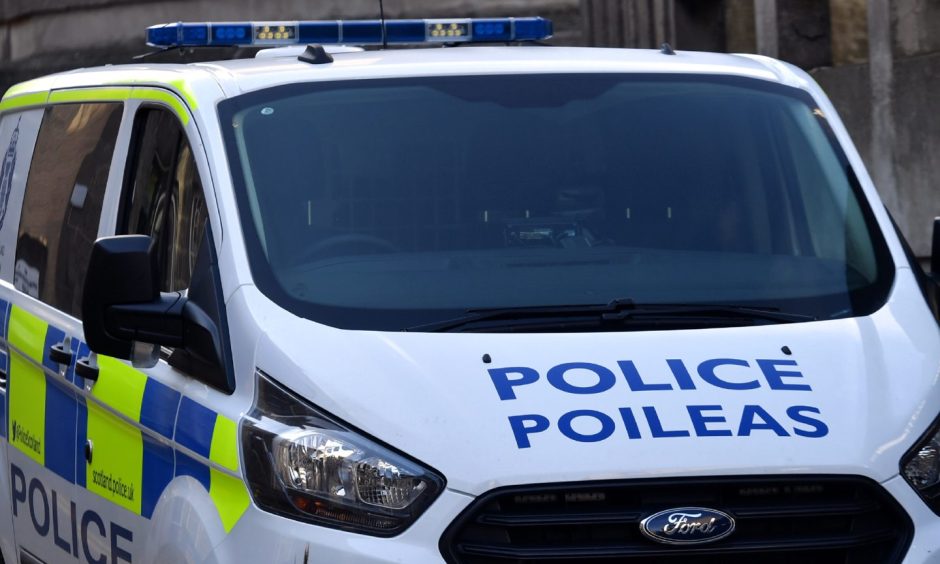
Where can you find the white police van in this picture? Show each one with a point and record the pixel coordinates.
(464, 305)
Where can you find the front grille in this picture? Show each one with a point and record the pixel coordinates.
(779, 520)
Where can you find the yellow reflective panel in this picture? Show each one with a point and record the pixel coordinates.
(165, 97)
(110, 94)
(120, 386)
(23, 101)
(230, 497)
(116, 468)
(185, 91)
(224, 448)
(27, 384)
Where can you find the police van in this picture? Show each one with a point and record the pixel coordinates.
(473, 305)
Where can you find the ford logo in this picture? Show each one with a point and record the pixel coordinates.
(687, 525)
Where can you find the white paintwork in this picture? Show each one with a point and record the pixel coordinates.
(873, 379)
(296, 50)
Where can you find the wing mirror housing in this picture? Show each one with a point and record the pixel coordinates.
(122, 302)
(123, 307)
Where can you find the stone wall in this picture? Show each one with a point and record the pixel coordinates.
(914, 157)
(877, 59)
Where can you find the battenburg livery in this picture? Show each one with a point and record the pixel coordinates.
(510, 303)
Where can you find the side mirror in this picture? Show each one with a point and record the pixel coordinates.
(122, 306)
(122, 302)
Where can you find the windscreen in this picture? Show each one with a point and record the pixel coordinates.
(388, 204)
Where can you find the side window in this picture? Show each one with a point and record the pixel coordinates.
(62, 204)
(163, 196)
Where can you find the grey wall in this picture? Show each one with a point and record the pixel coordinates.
(915, 154)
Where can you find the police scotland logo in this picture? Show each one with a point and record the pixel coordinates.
(6, 173)
(687, 525)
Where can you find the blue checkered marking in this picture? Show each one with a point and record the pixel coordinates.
(194, 426)
(61, 419)
(187, 466)
(60, 414)
(159, 408)
(157, 474)
(4, 317)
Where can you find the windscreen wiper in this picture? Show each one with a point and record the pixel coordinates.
(619, 314)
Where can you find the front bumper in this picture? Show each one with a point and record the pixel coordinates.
(925, 548)
(262, 537)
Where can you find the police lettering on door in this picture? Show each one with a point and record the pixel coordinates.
(75, 531)
(646, 421)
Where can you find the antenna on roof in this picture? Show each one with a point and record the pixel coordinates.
(384, 32)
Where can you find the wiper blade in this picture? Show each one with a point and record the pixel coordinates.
(615, 314)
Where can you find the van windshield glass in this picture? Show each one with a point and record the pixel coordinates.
(400, 203)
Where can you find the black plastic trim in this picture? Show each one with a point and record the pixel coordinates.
(451, 545)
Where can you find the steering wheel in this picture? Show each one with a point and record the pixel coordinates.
(348, 244)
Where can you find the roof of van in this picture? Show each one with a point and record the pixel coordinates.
(244, 75)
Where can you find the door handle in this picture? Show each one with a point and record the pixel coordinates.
(60, 355)
(84, 369)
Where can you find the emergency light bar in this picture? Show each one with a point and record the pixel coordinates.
(350, 32)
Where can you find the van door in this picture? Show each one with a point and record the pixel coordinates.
(149, 430)
(18, 132)
(58, 224)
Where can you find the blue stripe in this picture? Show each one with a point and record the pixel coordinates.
(158, 411)
(60, 430)
(4, 317)
(158, 471)
(54, 336)
(194, 427)
(186, 466)
(81, 424)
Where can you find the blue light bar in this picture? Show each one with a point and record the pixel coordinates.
(349, 32)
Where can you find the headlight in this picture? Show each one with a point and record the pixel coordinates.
(921, 467)
(307, 465)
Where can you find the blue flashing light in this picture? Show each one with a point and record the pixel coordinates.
(493, 30)
(194, 33)
(350, 32)
(226, 34)
(324, 33)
